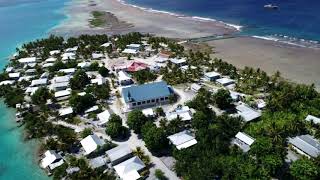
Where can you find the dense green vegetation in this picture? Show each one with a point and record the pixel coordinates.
(98, 19)
(82, 103)
(144, 76)
(114, 127)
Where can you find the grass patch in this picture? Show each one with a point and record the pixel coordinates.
(98, 19)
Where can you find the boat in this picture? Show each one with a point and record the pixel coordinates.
(271, 6)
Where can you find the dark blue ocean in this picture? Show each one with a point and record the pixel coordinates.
(22, 21)
(295, 18)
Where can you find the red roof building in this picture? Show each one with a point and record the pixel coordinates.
(136, 66)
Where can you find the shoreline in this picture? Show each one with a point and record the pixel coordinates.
(168, 24)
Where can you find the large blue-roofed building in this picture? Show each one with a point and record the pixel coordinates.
(150, 94)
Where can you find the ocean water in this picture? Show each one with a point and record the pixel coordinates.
(296, 20)
(22, 21)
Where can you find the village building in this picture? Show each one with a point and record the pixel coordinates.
(46, 65)
(136, 66)
(39, 82)
(225, 81)
(73, 49)
(130, 169)
(119, 154)
(178, 62)
(27, 60)
(148, 112)
(305, 145)
(68, 71)
(124, 78)
(243, 141)
(98, 162)
(144, 95)
(7, 82)
(84, 65)
(99, 81)
(54, 52)
(14, 76)
(313, 119)
(9, 69)
(186, 68)
(247, 113)
(91, 143)
(62, 95)
(51, 60)
(68, 56)
(184, 113)
(182, 140)
(212, 76)
(103, 117)
(195, 87)
(65, 111)
(51, 160)
(92, 109)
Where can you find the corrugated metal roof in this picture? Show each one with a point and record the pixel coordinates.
(146, 92)
(307, 144)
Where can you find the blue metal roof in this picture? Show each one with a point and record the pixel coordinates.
(146, 92)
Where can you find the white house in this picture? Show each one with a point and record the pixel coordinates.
(195, 87)
(27, 60)
(225, 81)
(119, 154)
(7, 82)
(148, 112)
(103, 117)
(51, 60)
(179, 62)
(65, 111)
(306, 145)
(91, 143)
(62, 95)
(39, 82)
(84, 64)
(247, 113)
(68, 55)
(129, 169)
(182, 140)
(183, 112)
(314, 119)
(99, 81)
(212, 76)
(51, 159)
(124, 78)
(14, 75)
(243, 141)
(68, 71)
(54, 52)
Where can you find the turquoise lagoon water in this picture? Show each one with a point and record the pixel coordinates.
(22, 21)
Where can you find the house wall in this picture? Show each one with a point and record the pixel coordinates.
(148, 103)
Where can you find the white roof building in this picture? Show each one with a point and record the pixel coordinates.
(247, 113)
(9, 69)
(73, 49)
(65, 111)
(31, 90)
(7, 82)
(27, 60)
(211, 76)
(103, 117)
(148, 112)
(179, 62)
(186, 68)
(225, 81)
(68, 55)
(54, 52)
(91, 143)
(124, 78)
(97, 55)
(46, 65)
(60, 94)
(98, 81)
(39, 82)
(119, 154)
(26, 78)
(130, 51)
(14, 75)
(243, 141)
(92, 109)
(195, 87)
(182, 140)
(106, 44)
(61, 79)
(68, 71)
(129, 169)
(84, 64)
(51, 60)
(314, 119)
(51, 157)
(184, 113)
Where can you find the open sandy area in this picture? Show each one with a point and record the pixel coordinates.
(295, 63)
